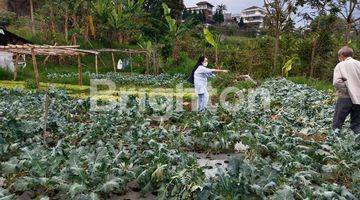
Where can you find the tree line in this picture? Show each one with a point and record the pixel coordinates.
(148, 23)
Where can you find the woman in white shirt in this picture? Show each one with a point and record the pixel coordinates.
(199, 78)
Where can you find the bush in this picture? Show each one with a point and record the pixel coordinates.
(222, 81)
(5, 74)
(30, 84)
(6, 17)
(317, 84)
(183, 66)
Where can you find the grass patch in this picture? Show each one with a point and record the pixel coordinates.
(71, 89)
(84, 91)
(314, 83)
(7, 75)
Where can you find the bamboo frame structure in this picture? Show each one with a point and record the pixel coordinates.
(129, 52)
(48, 50)
(73, 51)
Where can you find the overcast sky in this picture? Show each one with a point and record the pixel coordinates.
(233, 6)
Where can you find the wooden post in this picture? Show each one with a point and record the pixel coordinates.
(154, 62)
(157, 63)
(45, 61)
(96, 64)
(36, 72)
(66, 20)
(16, 66)
(217, 58)
(32, 17)
(46, 114)
(147, 63)
(80, 71)
(113, 60)
(131, 66)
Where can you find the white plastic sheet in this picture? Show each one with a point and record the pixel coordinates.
(6, 61)
(120, 65)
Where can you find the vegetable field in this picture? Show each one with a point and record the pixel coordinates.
(289, 151)
(162, 80)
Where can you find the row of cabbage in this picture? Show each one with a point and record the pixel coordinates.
(163, 80)
(92, 155)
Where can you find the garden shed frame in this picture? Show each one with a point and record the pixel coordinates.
(48, 50)
(129, 52)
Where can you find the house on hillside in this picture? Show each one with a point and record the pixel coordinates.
(204, 8)
(253, 17)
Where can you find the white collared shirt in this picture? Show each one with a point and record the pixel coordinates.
(200, 79)
(348, 71)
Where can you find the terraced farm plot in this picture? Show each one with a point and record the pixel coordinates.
(287, 152)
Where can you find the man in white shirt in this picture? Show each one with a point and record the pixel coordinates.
(347, 85)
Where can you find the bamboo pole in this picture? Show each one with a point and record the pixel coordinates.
(96, 64)
(113, 60)
(36, 72)
(154, 62)
(32, 17)
(131, 65)
(16, 66)
(147, 63)
(66, 20)
(217, 58)
(80, 71)
(46, 114)
(45, 61)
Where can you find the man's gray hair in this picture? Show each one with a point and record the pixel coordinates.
(346, 51)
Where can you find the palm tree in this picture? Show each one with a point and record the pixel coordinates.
(121, 19)
(221, 7)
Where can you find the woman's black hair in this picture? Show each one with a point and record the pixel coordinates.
(199, 62)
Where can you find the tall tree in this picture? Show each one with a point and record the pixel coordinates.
(66, 9)
(320, 8)
(218, 17)
(277, 20)
(177, 7)
(220, 10)
(157, 23)
(51, 7)
(222, 7)
(32, 16)
(154, 7)
(175, 31)
(121, 20)
(241, 23)
(347, 9)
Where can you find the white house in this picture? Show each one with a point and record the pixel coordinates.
(205, 8)
(253, 16)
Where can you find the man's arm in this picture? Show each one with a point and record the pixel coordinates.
(340, 83)
(338, 78)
